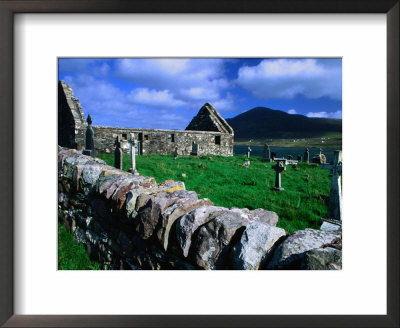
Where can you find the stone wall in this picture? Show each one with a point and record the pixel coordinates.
(71, 122)
(131, 222)
(162, 142)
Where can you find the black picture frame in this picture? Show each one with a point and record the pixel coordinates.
(10, 7)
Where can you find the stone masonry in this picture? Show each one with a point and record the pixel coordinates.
(128, 221)
(163, 142)
(71, 121)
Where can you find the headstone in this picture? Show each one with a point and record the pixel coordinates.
(307, 155)
(118, 154)
(290, 157)
(266, 154)
(299, 158)
(319, 158)
(176, 152)
(248, 152)
(334, 214)
(278, 167)
(89, 147)
(273, 155)
(195, 148)
(132, 148)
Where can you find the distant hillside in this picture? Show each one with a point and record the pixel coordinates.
(262, 122)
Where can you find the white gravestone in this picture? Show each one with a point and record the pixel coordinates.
(132, 145)
(248, 152)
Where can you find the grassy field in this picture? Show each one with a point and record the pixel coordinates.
(330, 140)
(227, 183)
(71, 255)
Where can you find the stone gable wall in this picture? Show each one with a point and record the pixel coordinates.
(208, 119)
(71, 121)
(131, 222)
(163, 142)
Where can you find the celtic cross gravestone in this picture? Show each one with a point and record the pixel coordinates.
(278, 167)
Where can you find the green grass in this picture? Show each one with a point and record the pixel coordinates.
(71, 255)
(228, 184)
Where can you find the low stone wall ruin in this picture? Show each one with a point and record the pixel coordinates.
(131, 222)
(162, 142)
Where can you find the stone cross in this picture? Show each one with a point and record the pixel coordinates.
(89, 147)
(266, 154)
(176, 152)
(118, 154)
(248, 152)
(278, 167)
(307, 155)
(335, 196)
(133, 155)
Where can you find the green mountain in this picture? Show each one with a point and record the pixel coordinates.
(262, 122)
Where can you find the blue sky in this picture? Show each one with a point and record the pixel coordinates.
(166, 93)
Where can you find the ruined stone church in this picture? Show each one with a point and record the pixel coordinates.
(207, 134)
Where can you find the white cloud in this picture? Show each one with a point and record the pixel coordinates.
(154, 98)
(104, 69)
(171, 121)
(134, 68)
(225, 104)
(185, 79)
(337, 114)
(292, 111)
(290, 67)
(287, 78)
(88, 89)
